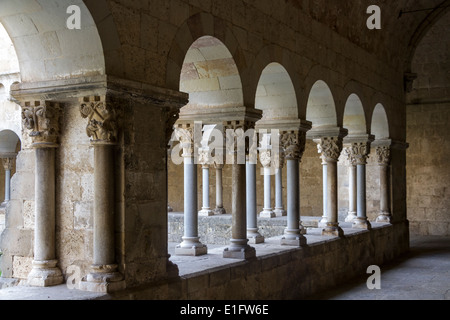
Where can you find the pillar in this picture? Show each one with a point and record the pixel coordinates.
(8, 164)
(352, 185)
(360, 151)
(219, 210)
(42, 119)
(330, 148)
(266, 161)
(252, 217)
(102, 129)
(279, 206)
(191, 245)
(324, 220)
(205, 161)
(238, 248)
(293, 144)
(384, 158)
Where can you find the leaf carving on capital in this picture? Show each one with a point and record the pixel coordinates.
(8, 163)
(204, 158)
(360, 152)
(330, 148)
(41, 118)
(384, 155)
(172, 116)
(102, 125)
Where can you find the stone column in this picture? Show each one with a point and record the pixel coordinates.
(266, 161)
(219, 210)
(279, 206)
(191, 245)
(238, 248)
(323, 222)
(352, 185)
(360, 152)
(102, 129)
(293, 144)
(205, 161)
(42, 119)
(330, 148)
(384, 159)
(252, 217)
(8, 164)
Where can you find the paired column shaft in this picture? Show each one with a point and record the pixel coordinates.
(252, 220)
(219, 191)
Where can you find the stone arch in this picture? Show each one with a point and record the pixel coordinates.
(195, 27)
(321, 107)
(46, 48)
(380, 123)
(210, 75)
(269, 55)
(354, 116)
(275, 94)
(9, 143)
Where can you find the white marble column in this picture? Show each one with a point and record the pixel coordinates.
(360, 151)
(205, 161)
(219, 210)
(191, 245)
(384, 159)
(42, 119)
(294, 145)
(102, 128)
(266, 162)
(330, 148)
(252, 216)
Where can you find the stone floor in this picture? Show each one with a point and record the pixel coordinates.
(423, 274)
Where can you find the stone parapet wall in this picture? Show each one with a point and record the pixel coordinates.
(323, 264)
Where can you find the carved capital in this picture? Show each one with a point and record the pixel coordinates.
(330, 148)
(102, 120)
(358, 153)
(293, 143)
(8, 163)
(384, 155)
(204, 158)
(265, 156)
(185, 135)
(41, 118)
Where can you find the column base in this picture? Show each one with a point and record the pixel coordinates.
(191, 247)
(239, 249)
(267, 213)
(351, 216)
(45, 274)
(206, 212)
(254, 237)
(280, 212)
(103, 279)
(333, 231)
(361, 223)
(323, 223)
(293, 238)
(220, 211)
(384, 217)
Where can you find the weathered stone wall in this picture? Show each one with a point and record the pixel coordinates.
(428, 132)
